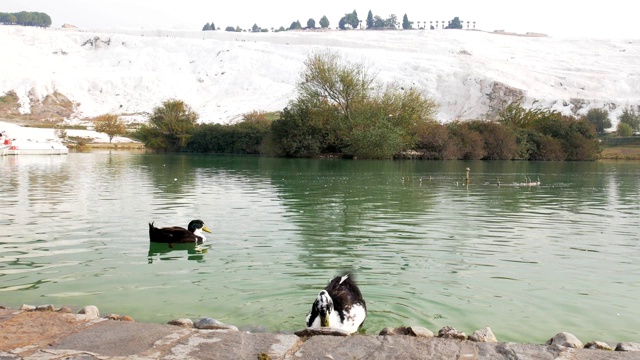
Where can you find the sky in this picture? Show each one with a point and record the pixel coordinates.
(560, 18)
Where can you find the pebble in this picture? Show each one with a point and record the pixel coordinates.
(45, 308)
(448, 332)
(598, 345)
(118, 317)
(628, 346)
(184, 322)
(416, 331)
(213, 324)
(90, 312)
(309, 332)
(483, 335)
(565, 339)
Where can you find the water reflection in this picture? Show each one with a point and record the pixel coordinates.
(159, 252)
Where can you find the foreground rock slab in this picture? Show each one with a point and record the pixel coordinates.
(54, 335)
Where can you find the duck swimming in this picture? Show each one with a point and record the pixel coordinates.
(340, 305)
(176, 235)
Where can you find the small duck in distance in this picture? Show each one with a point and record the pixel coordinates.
(340, 305)
(177, 235)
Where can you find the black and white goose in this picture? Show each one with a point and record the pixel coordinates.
(340, 305)
(179, 235)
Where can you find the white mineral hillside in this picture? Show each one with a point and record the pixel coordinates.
(223, 75)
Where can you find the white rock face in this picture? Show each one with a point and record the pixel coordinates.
(223, 75)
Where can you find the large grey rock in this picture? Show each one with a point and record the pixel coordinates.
(26, 307)
(565, 339)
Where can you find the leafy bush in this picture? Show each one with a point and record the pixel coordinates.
(296, 135)
(169, 127)
(624, 129)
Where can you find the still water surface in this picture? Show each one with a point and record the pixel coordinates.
(527, 261)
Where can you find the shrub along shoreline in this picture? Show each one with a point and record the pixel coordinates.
(342, 110)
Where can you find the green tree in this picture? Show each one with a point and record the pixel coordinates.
(230, 29)
(111, 125)
(455, 24)
(361, 119)
(169, 127)
(406, 24)
(311, 24)
(328, 78)
(255, 28)
(324, 22)
(391, 22)
(295, 25)
(206, 27)
(630, 117)
(378, 22)
(624, 129)
(350, 19)
(599, 118)
(342, 24)
(369, 20)
(213, 26)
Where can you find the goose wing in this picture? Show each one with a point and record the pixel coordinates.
(171, 234)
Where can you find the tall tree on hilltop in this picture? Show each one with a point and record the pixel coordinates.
(342, 24)
(324, 22)
(406, 24)
(353, 20)
(455, 23)
(311, 24)
(369, 20)
(213, 26)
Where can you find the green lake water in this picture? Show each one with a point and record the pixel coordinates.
(428, 250)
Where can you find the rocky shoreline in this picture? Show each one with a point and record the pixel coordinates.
(44, 332)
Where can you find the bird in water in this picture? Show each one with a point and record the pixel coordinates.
(177, 235)
(340, 305)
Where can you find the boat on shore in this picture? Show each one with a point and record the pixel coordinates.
(10, 146)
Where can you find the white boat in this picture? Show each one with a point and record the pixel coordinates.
(30, 147)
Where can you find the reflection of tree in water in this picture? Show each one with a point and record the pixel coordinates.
(334, 203)
(170, 174)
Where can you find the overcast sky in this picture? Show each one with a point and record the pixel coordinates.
(613, 18)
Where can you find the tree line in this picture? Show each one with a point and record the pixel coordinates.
(351, 21)
(342, 111)
(25, 18)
